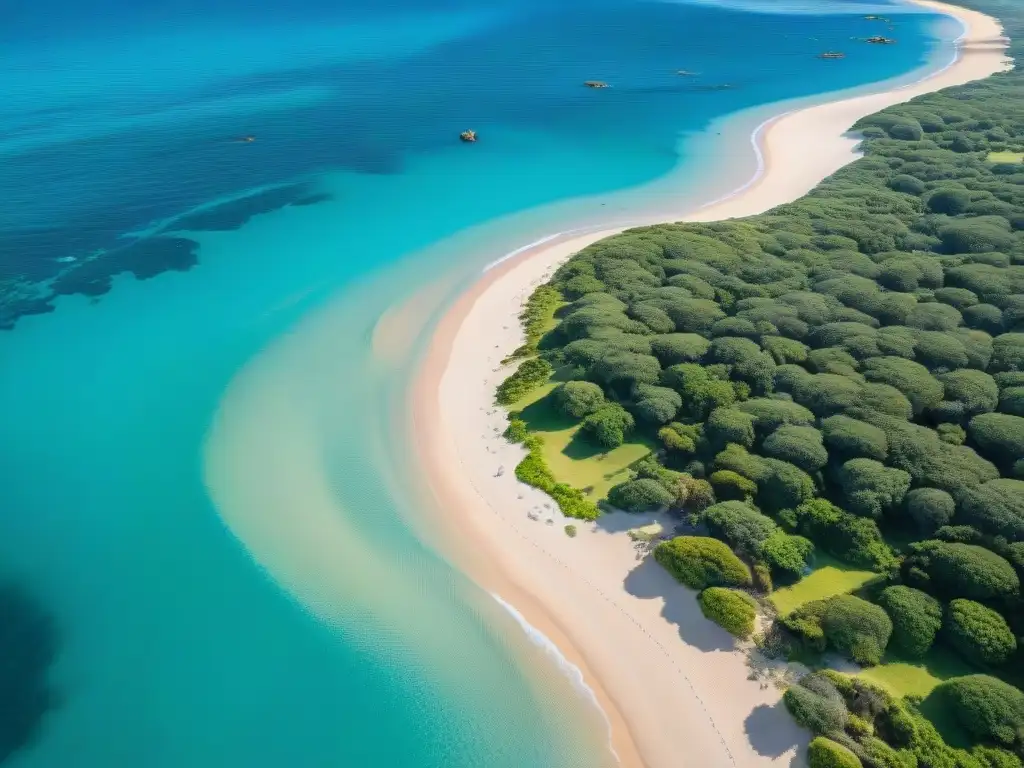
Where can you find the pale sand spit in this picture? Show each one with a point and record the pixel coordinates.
(674, 687)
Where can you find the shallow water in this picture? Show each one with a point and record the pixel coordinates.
(203, 480)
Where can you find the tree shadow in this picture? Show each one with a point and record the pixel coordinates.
(542, 416)
(581, 447)
(937, 711)
(771, 731)
(649, 580)
(617, 521)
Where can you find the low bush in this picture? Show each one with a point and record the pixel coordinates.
(856, 628)
(731, 609)
(639, 495)
(533, 470)
(816, 704)
(530, 373)
(916, 618)
(577, 399)
(700, 562)
(787, 555)
(980, 634)
(609, 425)
(961, 570)
(986, 707)
(825, 753)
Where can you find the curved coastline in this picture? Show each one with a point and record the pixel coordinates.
(658, 692)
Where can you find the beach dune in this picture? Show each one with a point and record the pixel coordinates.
(674, 687)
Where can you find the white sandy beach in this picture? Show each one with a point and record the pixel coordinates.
(673, 685)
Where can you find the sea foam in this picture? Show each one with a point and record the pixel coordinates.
(566, 667)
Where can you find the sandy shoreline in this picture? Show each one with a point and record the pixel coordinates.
(673, 686)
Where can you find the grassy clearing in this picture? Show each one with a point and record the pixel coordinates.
(1006, 157)
(917, 677)
(572, 458)
(829, 578)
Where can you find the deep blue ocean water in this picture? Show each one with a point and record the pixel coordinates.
(147, 253)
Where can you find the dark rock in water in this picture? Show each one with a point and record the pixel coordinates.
(596, 84)
(28, 644)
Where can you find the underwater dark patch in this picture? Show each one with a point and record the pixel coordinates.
(28, 643)
(233, 214)
(144, 258)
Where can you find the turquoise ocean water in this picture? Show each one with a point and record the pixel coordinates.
(202, 469)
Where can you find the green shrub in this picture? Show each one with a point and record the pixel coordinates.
(732, 610)
(880, 755)
(533, 470)
(674, 348)
(825, 753)
(871, 489)
(985, 707)
(856, 540)
(994, 757)
(570, 531)
(785, 554)
(999, 437)
(656, 405)
(639, 495)
(856, 628)
(535, 318)
(799, 445)
(741, 526)
(995, 507)
(700, 562)
(728, 425)
(930, 509)
(609, 425)
(849, 438)
(816, 704)
(962, 570)
(516, 431)
(916, 618)
(577, 399)
(530, 374)
(729, 485)
(910, 378)
(980, 634)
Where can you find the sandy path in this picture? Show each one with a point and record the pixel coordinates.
(673, 685)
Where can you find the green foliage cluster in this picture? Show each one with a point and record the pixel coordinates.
(988, 708)
(731, 609)
(536, 317)
(841, 372)
(916, 618)
(826, 753)
(955, 569)
(700, 562)
(530, 374)
(608, 425)
(533, 470)
(979, 633)
(854, 627)
(639, 495)
(577, 399)
(817, 704)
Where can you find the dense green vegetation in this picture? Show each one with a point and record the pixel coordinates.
(700, 562)
(840, 376)
(731, 609)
